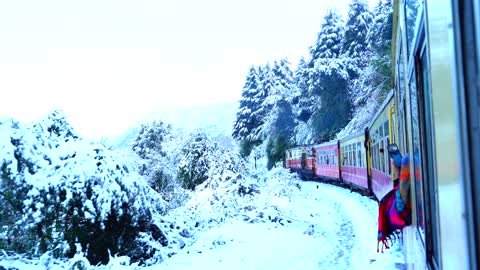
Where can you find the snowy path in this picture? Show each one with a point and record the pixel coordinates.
(324, 228)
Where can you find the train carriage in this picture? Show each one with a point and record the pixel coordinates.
(379, 133)
(300, 158)
(436, 62)
(327, 165)
(353, 160)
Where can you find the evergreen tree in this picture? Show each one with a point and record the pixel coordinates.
(356, 29)
(282, 133)
(281, 92)
(266, 97)
(380, 34)
(61, 191)
(245, 122)
(148, 145)
(195, 164)
(305, 104)
(149, 139)
(248, 117)
(380, 42)
(329, 78)
(329, 40)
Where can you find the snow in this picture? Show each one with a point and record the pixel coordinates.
(286, 224)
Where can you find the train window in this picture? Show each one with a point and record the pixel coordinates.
(427, 160)
(386, 129)
(351, 155)
(359, 148)
(412, 10)
(417, 158)
(354, 159)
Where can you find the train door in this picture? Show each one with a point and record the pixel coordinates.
(423, 150)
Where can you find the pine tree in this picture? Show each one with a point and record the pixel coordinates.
(380, 42)
(245, 122)
(248, 118)
(356, 29)
(195, 164)
(380, 34)
(305, 104)
(329, 40)
(148, 145)
(329, 77)
(281, 91)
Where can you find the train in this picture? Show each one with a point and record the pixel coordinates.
(432, 113)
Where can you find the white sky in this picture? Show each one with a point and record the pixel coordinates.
(108, 63)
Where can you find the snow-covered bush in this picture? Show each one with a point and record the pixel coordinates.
(195, 164)
(57, 190)
(148, 145)
(204, 160)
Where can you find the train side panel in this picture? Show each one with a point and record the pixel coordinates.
(354, 165)
(327, 160)
(379, 131)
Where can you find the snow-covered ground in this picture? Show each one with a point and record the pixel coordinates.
(283, 224)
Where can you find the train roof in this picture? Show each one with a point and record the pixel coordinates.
(353, 135)
(326, 143)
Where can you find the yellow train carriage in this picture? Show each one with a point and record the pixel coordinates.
(436, 60)
(353, 160)
(381, 132)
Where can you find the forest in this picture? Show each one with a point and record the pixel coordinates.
(331, 93)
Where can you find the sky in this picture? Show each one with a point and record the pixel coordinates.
(107, 64)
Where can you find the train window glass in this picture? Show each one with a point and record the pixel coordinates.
(382, 157)
(360, 160)
(417, 173)
(354, 156)
(427, 160)
(351, 155)
(412, 11)
(386, 129)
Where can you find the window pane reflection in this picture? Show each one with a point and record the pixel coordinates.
(412, 12)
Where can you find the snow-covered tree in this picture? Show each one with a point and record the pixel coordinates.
(150, 138)
(380, 34)
(63, 192)
(305, 103)
(329, 77)
(281, 94)
(375, 79)
(356, 29)
(154, 162)
(329, 40)
(203, 159)
(245, 121)
(194, 166)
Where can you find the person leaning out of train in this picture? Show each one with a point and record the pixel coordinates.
(394, 209)
(395, 162)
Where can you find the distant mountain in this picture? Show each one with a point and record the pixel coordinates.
(216, 119)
